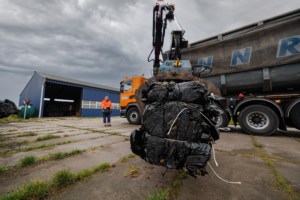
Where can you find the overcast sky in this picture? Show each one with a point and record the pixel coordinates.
(101, 41)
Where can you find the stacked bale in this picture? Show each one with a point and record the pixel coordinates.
(178, 126)
(7, 108)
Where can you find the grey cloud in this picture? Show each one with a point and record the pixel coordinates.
(103, 41)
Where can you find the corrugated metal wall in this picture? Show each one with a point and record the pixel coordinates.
(92, 94)
(33, 91)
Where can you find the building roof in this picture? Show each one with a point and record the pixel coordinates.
(76, 82)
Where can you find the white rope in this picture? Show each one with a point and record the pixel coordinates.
(226, 129)
(230, 182)
(214, 156)
(212, 123)
(175, 121)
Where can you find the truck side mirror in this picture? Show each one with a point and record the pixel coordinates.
(122, 86)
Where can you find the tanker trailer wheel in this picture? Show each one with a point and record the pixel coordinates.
(223, 120)
(295, 116)
(133, 116)
(258, 120)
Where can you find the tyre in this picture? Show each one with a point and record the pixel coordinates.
(295, 116)
(258, 120)
(223, 120)
(133, 116)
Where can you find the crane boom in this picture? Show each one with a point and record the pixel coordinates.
(162, 14)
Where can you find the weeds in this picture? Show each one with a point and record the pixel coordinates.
(259, 145)
(27, 134)
(59, 131)
(41, 189)
(126, 158)
(83, 174)
(87, 172)
(2, 169)
(14, 118)
(170, 192)
(256, 143)
(61, 155)
(280, 182)
(12, 144)
(57, 155)
(47, 137)
(34, 147)
(102, 168)
(48, 145)
(76, 151)
(63, 178)
(2, 138)
(162, 194)
(28, 160)
(32, 190)
(133, 171)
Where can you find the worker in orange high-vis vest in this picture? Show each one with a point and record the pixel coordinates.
(106, 110)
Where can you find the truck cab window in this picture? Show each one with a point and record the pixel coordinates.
(127, 85)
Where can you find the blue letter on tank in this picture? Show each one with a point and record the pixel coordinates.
(240, 56)
(288, 46)
(206, 61)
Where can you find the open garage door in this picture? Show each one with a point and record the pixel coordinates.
(61, 100)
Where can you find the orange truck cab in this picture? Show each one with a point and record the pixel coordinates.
(128, 104)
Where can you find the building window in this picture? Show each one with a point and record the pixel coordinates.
(85, 104)
(116, 106)
(97, 105)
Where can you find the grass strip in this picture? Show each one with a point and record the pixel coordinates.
(280, 182)
(87, 172)
(169, 192)
(97, 131)
(30, 148)
(14, 119)
(61, 155)
(35, 190)
(8, 145)
(57, 156)
(41, 146)
(47, 137)
(27, 134)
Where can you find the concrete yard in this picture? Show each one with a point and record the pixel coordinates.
(267, 167)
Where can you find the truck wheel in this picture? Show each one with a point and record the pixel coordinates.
(133, 116)
(258, 120)
(223, 120)
(295, 116)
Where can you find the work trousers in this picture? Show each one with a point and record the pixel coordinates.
(106, 115)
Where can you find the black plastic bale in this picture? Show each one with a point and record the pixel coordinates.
(178, 126)
(7, 108)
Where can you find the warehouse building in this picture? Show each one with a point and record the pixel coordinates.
(56, 96)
